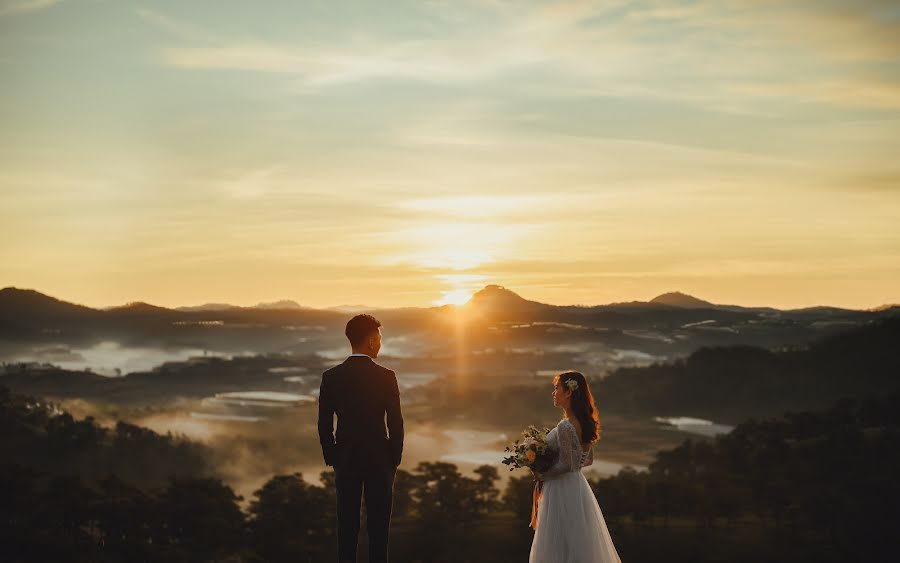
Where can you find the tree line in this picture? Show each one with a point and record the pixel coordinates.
(727, 384)
(807, 486)
(732, 383)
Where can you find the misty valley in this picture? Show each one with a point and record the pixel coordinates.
(678, 382)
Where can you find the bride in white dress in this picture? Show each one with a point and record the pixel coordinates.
(570, 527)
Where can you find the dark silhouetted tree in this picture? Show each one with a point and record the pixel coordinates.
(202, 520)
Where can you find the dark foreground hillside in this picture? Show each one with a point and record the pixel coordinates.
(806, 487)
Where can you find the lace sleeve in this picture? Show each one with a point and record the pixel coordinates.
(568, 460)
(589, 460)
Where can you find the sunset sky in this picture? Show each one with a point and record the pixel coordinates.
(406, 153)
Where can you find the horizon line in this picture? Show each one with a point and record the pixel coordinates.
(361, 308)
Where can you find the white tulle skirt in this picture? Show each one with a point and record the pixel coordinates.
(570, 526)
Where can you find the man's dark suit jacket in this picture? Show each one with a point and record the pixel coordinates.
(361, 393)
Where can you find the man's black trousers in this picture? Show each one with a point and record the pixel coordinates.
(375, 481)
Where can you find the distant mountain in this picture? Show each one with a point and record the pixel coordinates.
(206, 307)
(283, 304)
(352, 309)
(625, 305)
(139, 308)
(823, 314)
(496, 298)
(26, 314)
(670, 325)
(273, 306)
(15, 302)
(678, 299)
(887, 307)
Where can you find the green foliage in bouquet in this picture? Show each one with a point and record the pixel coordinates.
(532, 451)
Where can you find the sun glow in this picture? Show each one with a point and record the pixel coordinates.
(454, 297)
(458, 246)
(476, 207)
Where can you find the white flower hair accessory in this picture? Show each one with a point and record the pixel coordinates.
(572, 385)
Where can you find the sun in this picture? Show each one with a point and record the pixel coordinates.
(455, 297)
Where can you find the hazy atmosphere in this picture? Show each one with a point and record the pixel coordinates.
(692, 204)
(580, 152)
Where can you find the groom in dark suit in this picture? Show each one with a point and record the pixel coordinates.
(364, 456)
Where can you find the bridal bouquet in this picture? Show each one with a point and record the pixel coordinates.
(531, 450)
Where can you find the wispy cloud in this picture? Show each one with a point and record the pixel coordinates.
(178, 29)
(729, 55)
(12, 7)
(477, 206)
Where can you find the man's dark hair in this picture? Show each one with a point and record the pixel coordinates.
(359, 328)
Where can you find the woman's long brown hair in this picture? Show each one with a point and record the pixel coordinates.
(582, 405)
